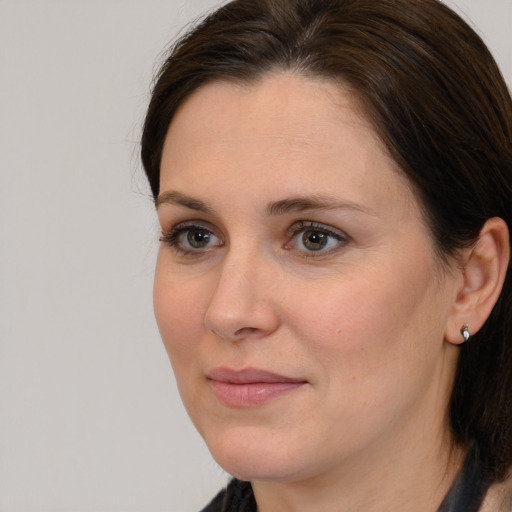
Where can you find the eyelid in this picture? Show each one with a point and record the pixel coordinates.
(302, 225)
(171, 236)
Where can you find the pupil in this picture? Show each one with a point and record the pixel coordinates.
(198, 239)
(314, 241)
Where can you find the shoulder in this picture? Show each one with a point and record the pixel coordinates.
(499, 497)
(236, 497)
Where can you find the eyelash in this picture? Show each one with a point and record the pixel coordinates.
(304, 226)
(173, 238)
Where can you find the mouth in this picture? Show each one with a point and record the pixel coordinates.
(250, 387)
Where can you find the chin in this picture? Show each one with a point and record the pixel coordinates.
(250, 455)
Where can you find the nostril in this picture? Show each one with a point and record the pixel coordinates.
(240, 314)
(245, 331)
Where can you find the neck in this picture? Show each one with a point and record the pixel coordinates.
(404, 478)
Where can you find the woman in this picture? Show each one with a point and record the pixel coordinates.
(333, 183)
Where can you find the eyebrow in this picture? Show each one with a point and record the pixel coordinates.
(306, 203)
(179, 199)
(275, 208)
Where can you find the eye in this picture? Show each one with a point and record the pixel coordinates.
(197, 238)
(191, 238)
(315, 238)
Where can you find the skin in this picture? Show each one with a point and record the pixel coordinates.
(367, 323)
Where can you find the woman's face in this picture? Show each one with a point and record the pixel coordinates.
(296, 290)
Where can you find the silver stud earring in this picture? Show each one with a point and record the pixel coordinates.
(464, 330)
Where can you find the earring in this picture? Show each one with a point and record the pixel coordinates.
(464, 330)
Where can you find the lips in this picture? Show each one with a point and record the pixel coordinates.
(250, 387)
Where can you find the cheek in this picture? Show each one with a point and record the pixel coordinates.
(179, 313)
(363, 326)
(373, 349)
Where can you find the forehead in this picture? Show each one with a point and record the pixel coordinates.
(280, 105)
(297, 133)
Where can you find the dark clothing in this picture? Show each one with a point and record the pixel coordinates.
(237, 497)
(468, 491)
(465, 495)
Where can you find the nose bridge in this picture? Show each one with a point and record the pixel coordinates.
(241, 304)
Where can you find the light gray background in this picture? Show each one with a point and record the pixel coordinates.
(90, 419)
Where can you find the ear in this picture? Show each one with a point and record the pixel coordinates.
(483, 273)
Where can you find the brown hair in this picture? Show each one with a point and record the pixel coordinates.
(436, 98)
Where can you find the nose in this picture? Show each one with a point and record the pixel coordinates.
(243, 303)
